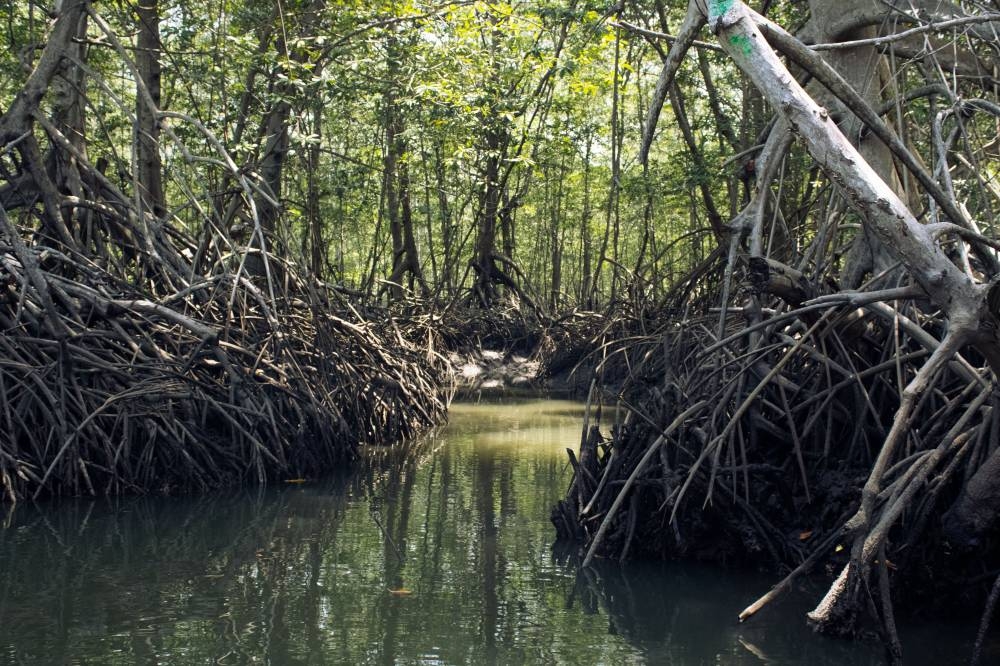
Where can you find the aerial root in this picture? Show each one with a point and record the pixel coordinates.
(756, 445)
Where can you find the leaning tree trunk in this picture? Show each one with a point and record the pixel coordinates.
(972, 316)
(271, 163)
(17, 124)
(69, 100)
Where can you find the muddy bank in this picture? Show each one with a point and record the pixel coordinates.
(491, 373)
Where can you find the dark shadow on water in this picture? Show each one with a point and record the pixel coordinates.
(685, 613)
(132, 576)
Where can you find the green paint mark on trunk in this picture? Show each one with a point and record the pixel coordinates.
(742, 43)
(719, 7)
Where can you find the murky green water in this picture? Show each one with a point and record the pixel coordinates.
(440, 559)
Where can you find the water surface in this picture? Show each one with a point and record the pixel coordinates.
(443, 557)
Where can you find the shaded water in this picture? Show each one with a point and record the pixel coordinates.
(440, 558)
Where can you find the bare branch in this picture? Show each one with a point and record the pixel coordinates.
(693, 22)
(670, 39)
(932, 26)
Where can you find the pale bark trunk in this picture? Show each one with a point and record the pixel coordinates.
(911, 243)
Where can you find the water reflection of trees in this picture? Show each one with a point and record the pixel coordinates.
(146, 576)
(306, 574)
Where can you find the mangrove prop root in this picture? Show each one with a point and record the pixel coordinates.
(661, 469)
(140, 351)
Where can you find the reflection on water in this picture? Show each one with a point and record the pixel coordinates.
(440, 558)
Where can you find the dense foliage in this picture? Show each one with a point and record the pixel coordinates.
(429, 116)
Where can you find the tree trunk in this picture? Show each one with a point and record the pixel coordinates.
(486, 223)
(586, 240)
(399, 211)
(149, 173)
(447, 227)
(557, 242)
(411, 262)
(394, 147)
(271, 163)
(18, 122)
(314, 218)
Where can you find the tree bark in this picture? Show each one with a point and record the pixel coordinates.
(399, 210)
(586, 295)
(484, 263)
(314, 217)
(149, 175)
(271, 163)
(977, 510)
(556, 240)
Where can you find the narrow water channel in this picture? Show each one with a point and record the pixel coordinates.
(440, 558)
